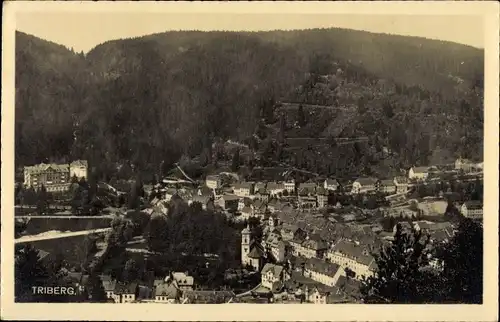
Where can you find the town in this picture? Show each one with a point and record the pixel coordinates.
(310, 241)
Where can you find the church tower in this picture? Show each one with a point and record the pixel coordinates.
(245, 245)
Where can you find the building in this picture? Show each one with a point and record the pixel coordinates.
(290, 186)
(323, 272)
(207, 297)
(387, 186)
(272, 274)
(307, 201)
(322, 198)
(126, 292)
(472, 209)
(401, 184)
(243, 189)
(274, 188)
(252, 253)
(307, 189)
(228, 202)
(54, 177)
(331, 184)
(78, 169)
(465, 165)
(364, 185)
(290, 231)
(308, 248)
(213, 182)
(354, 257)
(109, 286)
(205, 201)
(418, 173)
(166, 293)
(183, 280)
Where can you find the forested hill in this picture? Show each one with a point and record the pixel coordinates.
(154, 98)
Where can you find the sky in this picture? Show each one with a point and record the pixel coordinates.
(82, 31)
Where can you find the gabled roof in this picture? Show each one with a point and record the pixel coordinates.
(353, 252)
(332, 182)
(322, 267)
(366, 181)
(387, 183)
(256, 252)
(400, 180)
(128, 288)
(420, 169)
(314, 244)
(275, 269)
(243, 185)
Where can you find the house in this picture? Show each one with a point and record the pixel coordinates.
(322, 271)
(247, 212)
(307, 188)
(261, 195)
(213, 182)
(387, 186)
(166, 293)
(364, 185)
(465, 165)
(472, 209)
(109, 286)
(228, 202)
(126, 292)
(54, 177)
(272, 274)
(308, 248)
(350, 288)
(183, 280)
(78, 169)
(307, 201)
(319, 294)
(205, 201)
(354, 257)
(418, 173)
(276, 246)
(274, 188)
(260, 187)
(242, 202)
(322, 197)
(331, 184)
(401, 184)
(243, 189)
(290, 186)
(259, 208)
(252, 253)
(290, 231)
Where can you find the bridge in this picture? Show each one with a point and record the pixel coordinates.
(63, 217)
(58, 235)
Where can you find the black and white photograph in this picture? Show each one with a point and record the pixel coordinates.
(248, 158)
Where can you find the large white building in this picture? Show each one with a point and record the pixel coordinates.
(54, 177)
(79, 169)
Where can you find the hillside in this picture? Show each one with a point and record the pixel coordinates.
(155, 98)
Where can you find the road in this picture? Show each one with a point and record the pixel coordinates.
(58, 235)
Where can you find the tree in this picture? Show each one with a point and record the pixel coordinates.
(130, 271)
(42, 202)
(301, 118)
(462, 260)
(95, 289)
(235, 165)
(401, 276)
(29, 271)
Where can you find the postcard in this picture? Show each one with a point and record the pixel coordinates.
(228, 161)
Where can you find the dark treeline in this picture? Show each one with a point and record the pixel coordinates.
(152, 99)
